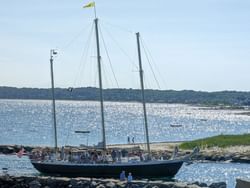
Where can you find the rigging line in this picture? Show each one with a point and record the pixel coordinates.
(105, 47)
(105, 75)
(70, 130)
(75, 37)
(136, 84)
(149, 104)
(85, 50)
(84, 57)
(118, 27)
(155, 122)
(122, 50)
(157, 82)
(163, 80)
(93, 71)
(96, 78)
(147, 84)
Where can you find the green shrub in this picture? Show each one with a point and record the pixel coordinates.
(218, 141)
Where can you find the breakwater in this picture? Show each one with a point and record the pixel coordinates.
(216, 155)
(63, 182)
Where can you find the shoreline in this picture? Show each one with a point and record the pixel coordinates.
(208, 98)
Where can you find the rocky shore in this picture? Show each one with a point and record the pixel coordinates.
(10, 149)
(221, 156)
(56, 182)
(239, 154)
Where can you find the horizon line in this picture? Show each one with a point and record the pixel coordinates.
(154, 89)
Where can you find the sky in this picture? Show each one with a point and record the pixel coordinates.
(186, 45)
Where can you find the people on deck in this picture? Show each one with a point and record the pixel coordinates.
(74, 155)
(119, 156)
(141, 156)
(113, 155)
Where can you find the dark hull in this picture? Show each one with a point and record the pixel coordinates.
(141, 169)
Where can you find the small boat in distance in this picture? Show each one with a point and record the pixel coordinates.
(84, 132)
(203, 119)
(139, 168)
(175, 125)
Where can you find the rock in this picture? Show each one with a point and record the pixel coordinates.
(79, 183)
(8, 150)
(61, 182)
(7, 181)
(200, 184)
(93, 184)
(73, 182)
(28, 148)
(228, 157)
(121, 184)
(28, 179)
(35, 184)
(244, 159)
(48, 182)
(155, 186)
(218, 185)
(166, 185)
(222, 158)
(110, 185)
(182, 185)
(208, 158)
(192, 186)
(76, 183)
(133, 185)
(100, 186)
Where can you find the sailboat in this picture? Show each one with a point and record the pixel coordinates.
(145, 168)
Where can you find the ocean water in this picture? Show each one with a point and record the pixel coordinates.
(29, 122)
(214, 172)
(201, 172)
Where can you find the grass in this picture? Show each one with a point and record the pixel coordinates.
(219, 141)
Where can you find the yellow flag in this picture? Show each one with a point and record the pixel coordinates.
(91, 4)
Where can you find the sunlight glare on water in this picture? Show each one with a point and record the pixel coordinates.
(29, 122)
(214, 172)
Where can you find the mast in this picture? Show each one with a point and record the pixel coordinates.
(52, 53)
(100, 82)
(142, 91)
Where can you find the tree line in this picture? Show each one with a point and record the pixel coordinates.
(232, 98)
